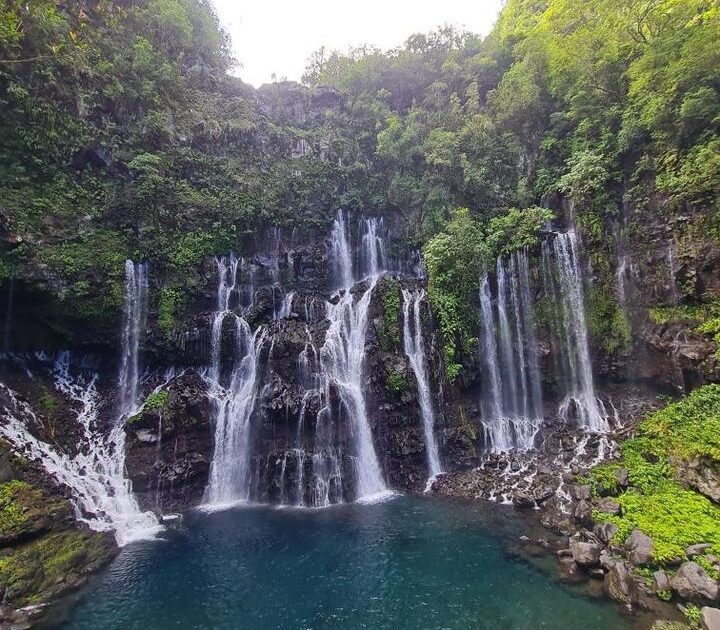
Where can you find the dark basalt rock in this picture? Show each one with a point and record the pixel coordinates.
(692, 583)
(639, 548)
(169, 450)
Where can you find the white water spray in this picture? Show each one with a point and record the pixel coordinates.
(415, 351)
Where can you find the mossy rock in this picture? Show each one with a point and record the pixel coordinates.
(26, 511)
(52, 564)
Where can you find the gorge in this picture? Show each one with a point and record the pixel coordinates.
(429, 340)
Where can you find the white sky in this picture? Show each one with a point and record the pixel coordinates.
(278, 36)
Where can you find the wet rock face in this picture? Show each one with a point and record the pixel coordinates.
(669, 262)
(293, 400)
(619, 584)
(169, 446)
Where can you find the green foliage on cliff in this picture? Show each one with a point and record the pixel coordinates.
(703, 317)
(123, 136)
(156, 400)
(658, 501)
(396, 383)
(689, 428)
(606, 321)
(391, 320)
(673, 517)
(32, 572)
(455, 259)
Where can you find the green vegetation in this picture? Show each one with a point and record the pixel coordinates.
(702, 317)
(391, 321)
(17, 500)
(156, 400)
(606, 321)
(692, 614)
(33, 571)
(396, 383)
(455, 259)
(657, 501)
(171, 300)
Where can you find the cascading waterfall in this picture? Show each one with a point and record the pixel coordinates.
(134, 316)
(101, 495)
(341, 363)
(415, 351)
(286, 308)
(340, 255)
(563, 278)
(512, 402)
(373, 252)
(234, 402)
(342, 357)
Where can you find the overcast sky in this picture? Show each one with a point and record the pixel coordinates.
(273, 36)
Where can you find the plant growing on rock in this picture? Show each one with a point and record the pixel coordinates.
(658, 501)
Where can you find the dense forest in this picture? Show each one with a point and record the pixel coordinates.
(537, 209)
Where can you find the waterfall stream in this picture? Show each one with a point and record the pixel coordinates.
(511, 401)
(564, 284)
(342, 358)
(95, 474)
(414, 347)
(233, 396)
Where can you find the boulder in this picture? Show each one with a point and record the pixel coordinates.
(605, 531)
(607, 506)
(697, 550)
(709, 618)
(586, 554)
(580, 493)
(583, 513)
(622, 476)
(607, 562)
(639, 548)
(523, 500)
(619, 584)
(703, 476)
(662, 583)
(692, 583)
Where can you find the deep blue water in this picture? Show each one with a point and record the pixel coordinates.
(407, 563)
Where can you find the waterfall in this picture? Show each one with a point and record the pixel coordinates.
(565, 286)
(286, 308)
(512, 403)
(373, 250)
(339, 254)
(134, 316)
(234, 401)
(342, 357)
(101, 495)
(492, 398)
(372, 256)
(520, 270)
(415, 352)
